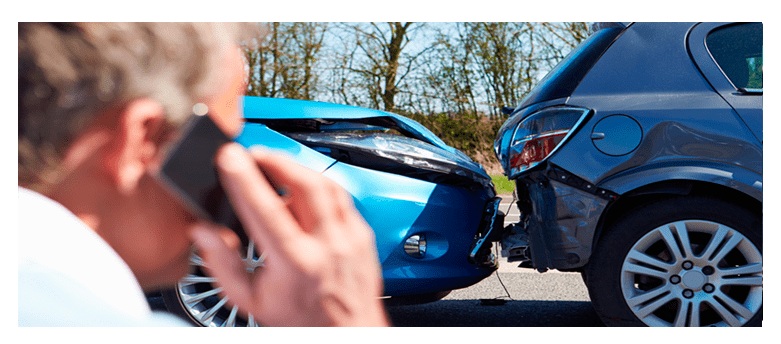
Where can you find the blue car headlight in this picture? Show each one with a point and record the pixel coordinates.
(397, 154)
(539, 135)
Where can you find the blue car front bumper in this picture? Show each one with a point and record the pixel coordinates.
(453, 220)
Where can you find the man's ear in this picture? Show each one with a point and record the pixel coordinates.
(135, 143)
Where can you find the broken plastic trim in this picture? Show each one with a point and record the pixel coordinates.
(491, 228)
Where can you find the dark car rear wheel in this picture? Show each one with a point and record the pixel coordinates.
(691, 261)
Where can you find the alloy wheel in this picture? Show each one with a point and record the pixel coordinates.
(693, 273)
(202, 299)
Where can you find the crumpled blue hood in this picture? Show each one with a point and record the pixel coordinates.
(271, 109)
(279, 108)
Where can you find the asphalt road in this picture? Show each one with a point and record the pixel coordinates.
(511, 297)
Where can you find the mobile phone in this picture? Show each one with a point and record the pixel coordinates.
(190, 174)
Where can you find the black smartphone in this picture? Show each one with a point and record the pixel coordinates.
(190, 174)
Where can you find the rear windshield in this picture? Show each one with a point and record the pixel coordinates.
(562, 80)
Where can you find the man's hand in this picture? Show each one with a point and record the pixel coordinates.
(321, 266)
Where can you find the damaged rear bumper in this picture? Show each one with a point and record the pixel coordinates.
(559, 216)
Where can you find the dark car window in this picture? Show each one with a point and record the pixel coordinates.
(737, 49)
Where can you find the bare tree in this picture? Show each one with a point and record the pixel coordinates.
(485, 66)
(379, 61)
(499, 56)
(448, 75)
(284, 64)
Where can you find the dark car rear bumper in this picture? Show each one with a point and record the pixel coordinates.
(559, 216)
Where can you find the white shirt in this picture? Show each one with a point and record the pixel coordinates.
(69, 276)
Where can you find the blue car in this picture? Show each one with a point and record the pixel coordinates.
(434, 211)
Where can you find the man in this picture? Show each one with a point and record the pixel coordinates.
(98, 102)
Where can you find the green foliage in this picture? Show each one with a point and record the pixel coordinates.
(755, 72)
(502, 184)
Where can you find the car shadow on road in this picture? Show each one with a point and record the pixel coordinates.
(496, 313)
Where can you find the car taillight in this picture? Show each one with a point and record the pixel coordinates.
(539, 135)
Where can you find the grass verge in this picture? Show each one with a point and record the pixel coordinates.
(502, 184)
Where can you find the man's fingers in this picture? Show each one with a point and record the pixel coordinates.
(311, 197)
(329, 278)
(223, 263)
(264, 215)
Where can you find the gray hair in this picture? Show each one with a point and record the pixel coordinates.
(71, 72)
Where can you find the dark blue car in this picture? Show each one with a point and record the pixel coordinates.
(638, 162)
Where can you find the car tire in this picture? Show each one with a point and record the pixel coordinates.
(688, 261)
